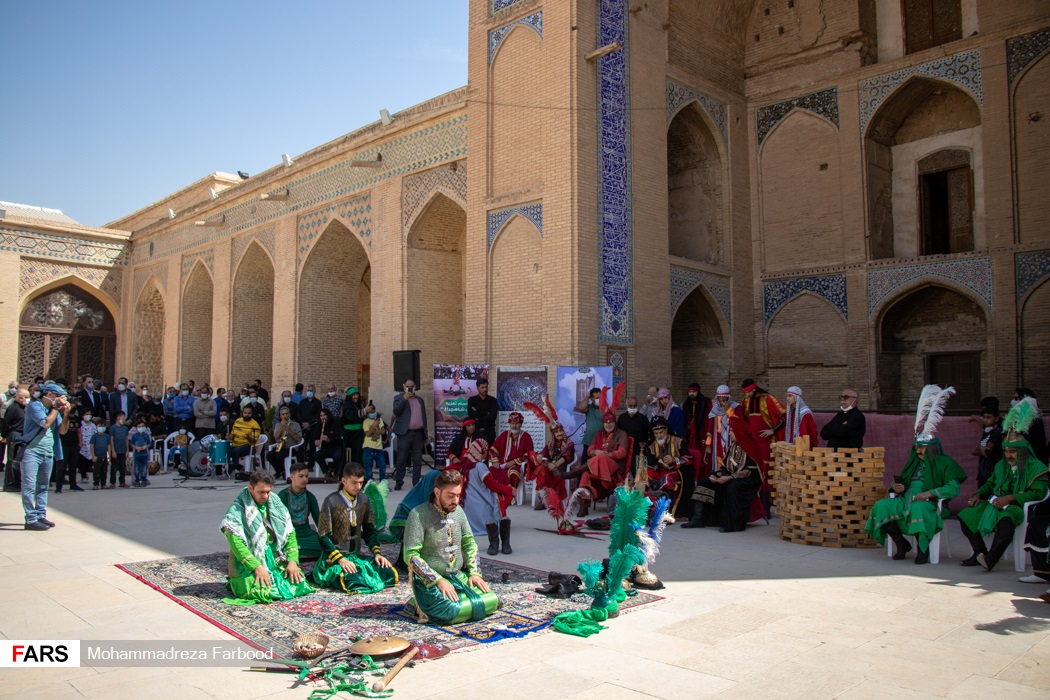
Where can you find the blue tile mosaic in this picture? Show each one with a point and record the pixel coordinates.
(496, 36)
(501, 5)
(355, 213)
(46, 245)
(1031, 269)
(1022, 52)
(678, 96)
(207, 258)
(496, 219)
(777, 293)
(685, 279)
(615, 293)
(416, 190)
(963, 69)
(973, 273)
(823, 103)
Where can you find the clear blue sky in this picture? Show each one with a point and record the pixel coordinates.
(108, 106)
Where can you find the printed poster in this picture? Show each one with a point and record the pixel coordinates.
(453, 386)
(574, 383)
(515, 386)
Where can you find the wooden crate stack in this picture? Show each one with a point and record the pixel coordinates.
(824, 496)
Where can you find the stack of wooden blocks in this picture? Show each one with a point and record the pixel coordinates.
(824, 496)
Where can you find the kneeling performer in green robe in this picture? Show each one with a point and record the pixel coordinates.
(443, 557)
(302, 506)
(264, 553)
(346, 519)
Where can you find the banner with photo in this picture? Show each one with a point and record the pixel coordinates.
(515, 386)
(574, 383)
(453, 386)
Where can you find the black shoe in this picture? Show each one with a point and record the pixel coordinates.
(972, 561)
(398, 485)
(696, 518)
(74, 487)
(38, 526)
(58, 490)
(985, 561)
(903, 547)
(504, 535)
(46, 522)
(922, 557)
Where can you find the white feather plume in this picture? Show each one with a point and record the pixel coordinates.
(926, 401)
(937, 411)
(575, 500)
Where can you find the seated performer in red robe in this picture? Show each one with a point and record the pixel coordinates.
(461, 443)
(509, 454)
(669, 469)
(609, 454)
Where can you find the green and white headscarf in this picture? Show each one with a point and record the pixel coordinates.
(245, 520)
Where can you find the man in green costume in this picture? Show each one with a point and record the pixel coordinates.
(998, 506)
(264, 553)
(443, 557)
(347, 519)
(929, 476)
(302, 506)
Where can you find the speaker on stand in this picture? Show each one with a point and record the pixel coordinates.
(406, 366)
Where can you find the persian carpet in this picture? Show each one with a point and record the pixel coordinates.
(199, 584)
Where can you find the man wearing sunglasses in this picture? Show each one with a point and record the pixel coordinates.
(846, 429)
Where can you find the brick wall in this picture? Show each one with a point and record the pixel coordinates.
(149, 338)
(694, 189)
(1035, 336)
(807, 347)
(251, 343)
(196, 342)
(1032, 98)
(516, 319)
(518, 118)
(699, 352)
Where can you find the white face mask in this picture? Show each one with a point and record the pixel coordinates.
(182, 431)
(122, 387)
(254, 399)
(205, 396)
(102, 429)
(224, 418)
(36, 394)
(142, 428)
(90, 386)
(631, 411)
(185, 392)
(331, 394)
(87, 419)
(287, 399)
(13, 390)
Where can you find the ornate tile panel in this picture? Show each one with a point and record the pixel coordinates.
(1022, 51)
(685, 279)
(501, 5)
(142, 275)
(777, 293)
(496, 36)
(824, 103)
(36, 273)
(973, 273)
(417, 189)
(355, 212)
(432, 145)
(205, 256)
(496, 219)
(47, 245)
(615, 284)
(679, 95)
(1031, 269)
(963, 69)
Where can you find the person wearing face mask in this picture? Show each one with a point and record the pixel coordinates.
(85, 463)
(635, 424)
(183, 407)
(373, 430)
(204, 410)
(258, 405)
(669, 469)
(180, 447)
(13, 423)
(169, 410)
(333, 402)
(140, 442)
(89, 398)
(845, 431)
(45, 420)
(309, 413)
(286, 401)
(123, 399)
(101, 447)
(8, 399)
(353, 414)
(593, 420)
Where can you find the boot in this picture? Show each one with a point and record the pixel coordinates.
(493, 531)
(504, 534)
(696, 519)
(1004, 535)
(976, 544)
(894, 531)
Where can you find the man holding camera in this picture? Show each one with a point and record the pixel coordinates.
(410, 427)
(45, 420)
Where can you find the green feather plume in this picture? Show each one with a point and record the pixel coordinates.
(1020, 418)
(377, 492)
(590, 571)
(620, 565)
(632, 508)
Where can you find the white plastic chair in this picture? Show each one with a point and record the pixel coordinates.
(288, 456)
(1016, 547)
(389, 449)
(256, 453)
(935, 543)
(168, 441)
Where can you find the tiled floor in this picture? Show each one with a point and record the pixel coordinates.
(746, 615)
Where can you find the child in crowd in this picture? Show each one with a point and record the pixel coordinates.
(87, 429)
(180, 448)
(101, 449)
(140, 441)
(118, 433)
(989, 450)
(374, 429)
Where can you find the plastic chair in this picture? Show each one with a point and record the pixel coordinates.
(256, 453)
(288, 456)
(1016, 547)
(935, 543)
(168, 441)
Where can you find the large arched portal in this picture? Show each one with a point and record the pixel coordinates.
(436, 246)
(1035, 339)
(932, 335)
(251, 343)
(334, 287)
(196, 326)
(694, 188)
(148, 334)
(698, 347)
(63, 333)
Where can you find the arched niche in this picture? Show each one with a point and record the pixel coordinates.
(65, 332)
(148, 337)
(251, 322)
(699, 352)
(516, 300)
(196, 341)
(814, 361)
(695, 188)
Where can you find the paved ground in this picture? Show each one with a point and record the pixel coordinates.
(746, 615)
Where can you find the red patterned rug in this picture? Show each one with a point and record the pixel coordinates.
(199, 583)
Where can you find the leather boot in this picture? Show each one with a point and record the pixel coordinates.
(1004, 535)
(893, 530)
(976, 544)
(493, 531)
(504, 535)
(696, 518)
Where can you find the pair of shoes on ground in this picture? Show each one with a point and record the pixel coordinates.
(40, 525)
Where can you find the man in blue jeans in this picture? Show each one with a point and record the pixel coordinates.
(45, 420)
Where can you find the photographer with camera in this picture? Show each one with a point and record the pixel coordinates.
(45, 421)
(410, 427)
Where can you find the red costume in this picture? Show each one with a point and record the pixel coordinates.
(555, 456)
(508, 456)
(798, 420)
(763, 412)
(696, 412)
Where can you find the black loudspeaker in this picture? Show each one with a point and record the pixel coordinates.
(406, 366)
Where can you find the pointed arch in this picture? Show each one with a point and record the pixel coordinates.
(515, 321)
(1035, 337)
(196, 335)
(1032, 149)
(696, 186)
(516, 78)
(64, 332)
(700, 343)
(494, 236)
(148, 335)
(79, 282)
(251, 339)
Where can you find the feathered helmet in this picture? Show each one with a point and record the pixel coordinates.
(608, 410)
(549, 417)
(1019, 421)
(929, 413)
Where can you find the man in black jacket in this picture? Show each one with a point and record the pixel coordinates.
(846, 429)
(14, 418)
(484, 409)
(309, 413)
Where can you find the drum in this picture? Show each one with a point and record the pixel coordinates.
(219, 452)
(197, 464)
(207, 440)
